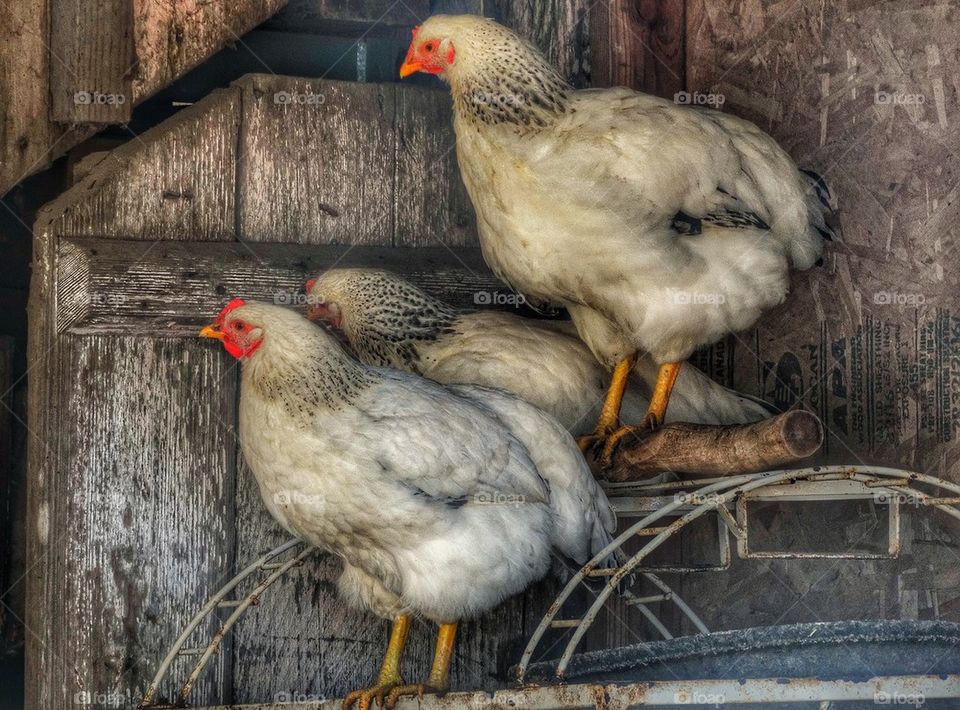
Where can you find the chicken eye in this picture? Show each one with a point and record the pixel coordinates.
(238, 325)
(429, 46)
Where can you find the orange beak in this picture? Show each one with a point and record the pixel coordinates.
(211, 331)
(409, 67)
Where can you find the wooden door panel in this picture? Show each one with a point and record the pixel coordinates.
(143, 508)
(317, 161)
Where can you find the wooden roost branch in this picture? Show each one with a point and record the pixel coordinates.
(717, 450)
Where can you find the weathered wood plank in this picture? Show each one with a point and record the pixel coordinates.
(174, 36)
(169, 289)
(138, 526)
(29, 140)
(638, 44)
(432, 205)
(560, 28)
(353, 17)
(93, 61)
(317, 161)
(148, 190)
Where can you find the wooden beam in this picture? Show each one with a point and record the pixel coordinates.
(171, 288)
(639, 44)
(558, 27)
(92, 61)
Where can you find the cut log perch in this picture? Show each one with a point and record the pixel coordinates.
(717, 450)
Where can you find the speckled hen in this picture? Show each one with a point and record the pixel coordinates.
(389, 321)
(441, 501)
(659, 227)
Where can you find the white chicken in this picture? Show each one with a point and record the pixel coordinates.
(659, 227)
(389, 321)
(441, 501)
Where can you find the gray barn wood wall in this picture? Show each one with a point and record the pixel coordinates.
(238, 195)
(139, 507)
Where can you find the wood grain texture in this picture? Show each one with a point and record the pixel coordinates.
(145, 189)
(353, 17)
(171, 289)
(174, 36)
(638, 44)
(138, 526)
(93, 60)
(560, 28)
(46, 57)
(317, 161)
(29, 140)
(431, 202)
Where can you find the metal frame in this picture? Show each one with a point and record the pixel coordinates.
(718, 494)
(265, 563)
(886, 485)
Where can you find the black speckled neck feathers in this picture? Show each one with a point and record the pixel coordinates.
(510, 84)
(386, 318)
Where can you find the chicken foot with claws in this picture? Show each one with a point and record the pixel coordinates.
(610, 412)
(439, 679)
(389, 677)
(666, 378)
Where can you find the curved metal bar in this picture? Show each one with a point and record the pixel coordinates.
(717, 492)
(678, 601)
(212, 604)
(578, 578)
(251, 598)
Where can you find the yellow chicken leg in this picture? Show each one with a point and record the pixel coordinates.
(666, 378)
(610, 412)
(439, 679)
(389, 677)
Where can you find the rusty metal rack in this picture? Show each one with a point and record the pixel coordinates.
(886, 485)
(652, 505)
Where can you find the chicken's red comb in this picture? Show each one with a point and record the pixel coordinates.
(310, 283)
(415, 30)
(234, 304)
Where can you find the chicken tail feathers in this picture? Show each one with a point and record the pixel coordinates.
(821, 205)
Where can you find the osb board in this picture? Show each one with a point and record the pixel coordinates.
(866, 94)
